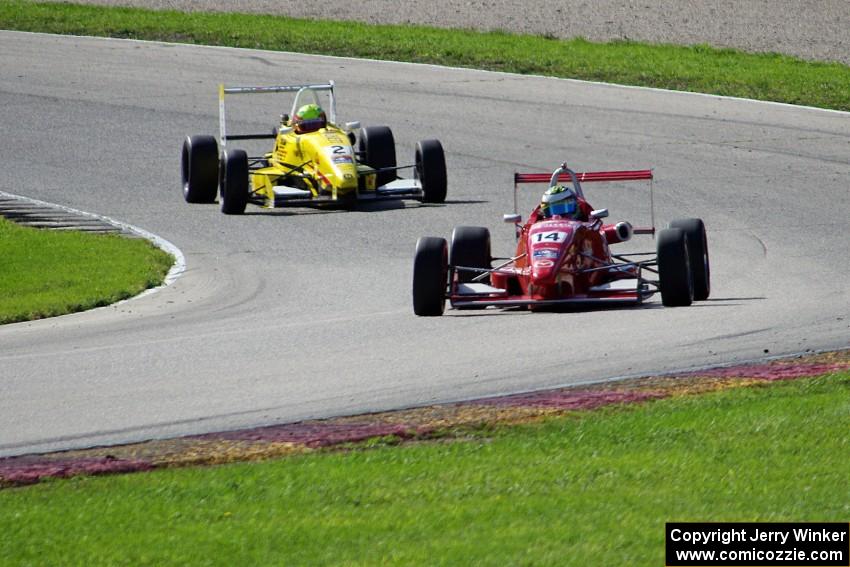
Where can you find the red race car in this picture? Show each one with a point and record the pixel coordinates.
(563, 256)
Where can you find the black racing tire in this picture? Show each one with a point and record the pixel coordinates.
(377, 150)
(199, 169)
(470, 247)
(430, 276)
(694, 229)
(674, 272)
(234, 182)
(431, 170)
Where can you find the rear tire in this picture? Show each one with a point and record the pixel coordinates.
(377, 150)
(470, 248)
(674, 272)
(694, 230)
(234, 182)
(430, 276)
(199, 169)
(431, 170)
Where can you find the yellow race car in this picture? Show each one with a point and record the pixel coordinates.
(314, 161)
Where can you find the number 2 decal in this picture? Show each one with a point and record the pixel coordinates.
(550, 236)
(338, 153)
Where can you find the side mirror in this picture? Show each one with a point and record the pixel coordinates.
(349, 126)
(599, 213)
(512, 218)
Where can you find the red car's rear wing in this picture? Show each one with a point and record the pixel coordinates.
(565, 175)
(635, 175)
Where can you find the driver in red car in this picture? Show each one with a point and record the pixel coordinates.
(561, 201)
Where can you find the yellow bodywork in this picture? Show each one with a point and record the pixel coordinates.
(323, 162)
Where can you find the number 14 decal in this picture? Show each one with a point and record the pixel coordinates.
(550, 237)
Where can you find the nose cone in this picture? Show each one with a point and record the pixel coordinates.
(345, 175)
(543, 275)
(341, 166)
(544, 264)
(546, 244)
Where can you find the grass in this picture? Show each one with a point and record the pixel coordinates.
(45, 273)
(698, 68)
(585, 489)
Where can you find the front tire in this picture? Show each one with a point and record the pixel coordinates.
(674, 272)
(199, 169)
(431, 170)
(377, 150)
(471, 249)
(694, 230)
(430, 276)
(234, 182)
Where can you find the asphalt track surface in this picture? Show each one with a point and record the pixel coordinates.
(292, 314)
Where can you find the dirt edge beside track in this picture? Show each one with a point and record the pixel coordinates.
(438, 421)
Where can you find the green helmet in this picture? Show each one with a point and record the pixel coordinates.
(558, 200)
(309, 118)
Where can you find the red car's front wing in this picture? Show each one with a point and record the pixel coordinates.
(621, 292)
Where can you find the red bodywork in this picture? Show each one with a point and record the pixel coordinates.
(561, 260)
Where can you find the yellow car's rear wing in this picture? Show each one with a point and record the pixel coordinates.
(303, 91)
